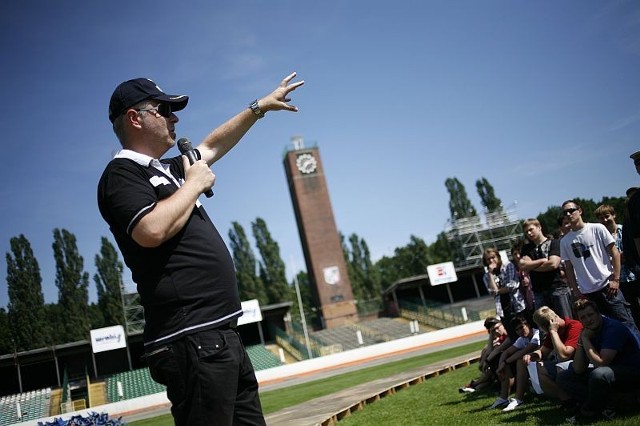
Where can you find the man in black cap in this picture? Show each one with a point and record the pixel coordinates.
(184, 273)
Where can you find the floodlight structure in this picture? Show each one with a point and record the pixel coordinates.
(133, 312)
(470, 236)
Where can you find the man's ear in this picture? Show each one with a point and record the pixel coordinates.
(133, 118)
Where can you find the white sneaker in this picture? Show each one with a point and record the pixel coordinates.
(466, 390)
(499, 403)
(513, 404)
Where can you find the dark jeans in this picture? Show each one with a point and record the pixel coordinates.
(615, 307)
(557, 298)
(594, 387)
(209, 379)
(631, 291)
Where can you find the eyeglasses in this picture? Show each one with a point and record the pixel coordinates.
(162, 109)
(570, 211)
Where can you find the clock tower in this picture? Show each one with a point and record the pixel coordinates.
(321, 245)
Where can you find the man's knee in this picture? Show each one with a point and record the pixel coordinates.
(602, 375)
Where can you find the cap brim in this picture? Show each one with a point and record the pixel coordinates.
(178, 102)
(635, 155)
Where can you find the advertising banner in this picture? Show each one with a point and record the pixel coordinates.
(108, 339)
(250, 312)
(442, 273)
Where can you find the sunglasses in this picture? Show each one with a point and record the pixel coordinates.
(570, 211)
(162, 109)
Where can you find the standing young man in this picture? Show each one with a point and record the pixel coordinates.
(593, 265)
(183, 270)
(541, 259)
(628, 281)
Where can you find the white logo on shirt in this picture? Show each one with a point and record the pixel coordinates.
(159, 180)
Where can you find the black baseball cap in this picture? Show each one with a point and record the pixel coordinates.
(131, 92)
(491, 321)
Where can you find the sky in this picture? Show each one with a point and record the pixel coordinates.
(541, 98)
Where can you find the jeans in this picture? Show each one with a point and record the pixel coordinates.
(557, 298)
(615, 307)
(631, 292)
(209, 379)
(594, 387)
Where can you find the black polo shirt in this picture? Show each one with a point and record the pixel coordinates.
(188, 283)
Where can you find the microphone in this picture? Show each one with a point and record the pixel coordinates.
(186, 149)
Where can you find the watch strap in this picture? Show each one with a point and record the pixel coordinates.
(256, 109)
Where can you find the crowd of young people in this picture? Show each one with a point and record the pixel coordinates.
(568, 313)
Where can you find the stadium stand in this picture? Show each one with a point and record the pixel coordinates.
(262, 358)
(346, 336)
(387, 329)
(373, 331)
(134, 384)
(33, 405)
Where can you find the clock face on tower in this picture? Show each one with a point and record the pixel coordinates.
(306, 163)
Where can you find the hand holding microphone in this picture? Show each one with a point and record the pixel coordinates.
(187, 150)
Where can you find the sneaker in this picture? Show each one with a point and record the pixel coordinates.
(466, 390)
(608, 413)
(582, 418)
(513, 404)
(499, 403)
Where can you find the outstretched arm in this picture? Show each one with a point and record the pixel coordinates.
(227, 135)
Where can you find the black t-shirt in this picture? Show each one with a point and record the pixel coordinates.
(545, 280)
(188, 283)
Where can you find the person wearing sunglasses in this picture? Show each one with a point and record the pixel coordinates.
(183, 270)
(592, 265)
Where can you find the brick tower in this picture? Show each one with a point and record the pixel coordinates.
(323, 255)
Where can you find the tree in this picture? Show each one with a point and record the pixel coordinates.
(26, 301)
(459, 204)
(53, 315)
(442, 250)
(354, 276)
(249, 284)
(6, 346)
(108, 279)
(549, 220)
(97, 318)
(272, 270)
(364, 277)
(407, 261)
(487, 196)
(310, 312)
(73, 284)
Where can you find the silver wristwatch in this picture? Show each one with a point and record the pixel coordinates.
(256, 109)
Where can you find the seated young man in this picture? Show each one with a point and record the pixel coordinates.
(527, 342)
(556, 352)
(490, 354)
(607, 357)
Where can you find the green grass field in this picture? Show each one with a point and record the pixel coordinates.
(435, 401)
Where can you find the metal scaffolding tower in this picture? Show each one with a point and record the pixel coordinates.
(470, 236)
(133, 312)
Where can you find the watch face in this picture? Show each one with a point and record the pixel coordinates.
(306, 163)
